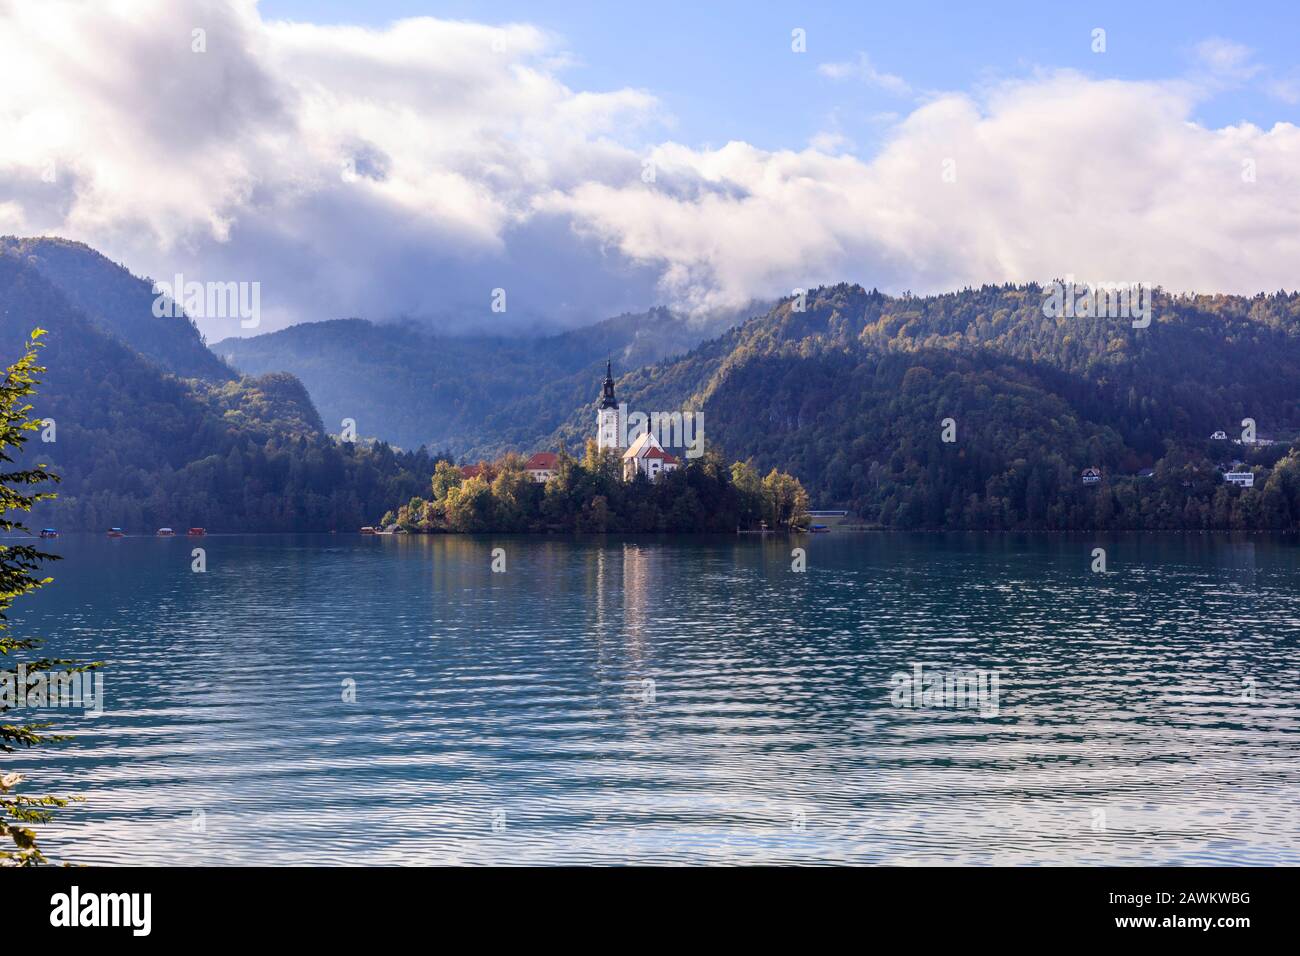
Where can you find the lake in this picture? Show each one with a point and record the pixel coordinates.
(330, 699)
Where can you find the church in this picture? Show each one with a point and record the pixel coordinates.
(644, 454)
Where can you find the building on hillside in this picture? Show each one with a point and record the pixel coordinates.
(1243, 479)
(472, 471)
(543, 466)
(647, 456)
(1091, 476)
(1219, 436)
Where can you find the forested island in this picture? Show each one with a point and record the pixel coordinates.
(589, 495)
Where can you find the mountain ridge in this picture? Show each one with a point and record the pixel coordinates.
(121, 304)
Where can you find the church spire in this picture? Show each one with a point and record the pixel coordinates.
(607, 399)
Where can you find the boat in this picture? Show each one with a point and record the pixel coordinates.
(197, 532)
(49, 533)
(165, 533)
(368, 530)
(116, 533)
(819, 529)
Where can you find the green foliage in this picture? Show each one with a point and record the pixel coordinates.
(590, 496)
(19, 565)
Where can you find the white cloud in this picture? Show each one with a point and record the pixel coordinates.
(1226, 58)
(1286, 88)
(863, 70)
(350, 170)
(412, 169)
(1107, 180)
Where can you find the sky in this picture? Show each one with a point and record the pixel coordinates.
(504, 166)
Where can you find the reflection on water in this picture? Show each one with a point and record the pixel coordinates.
(672, 700)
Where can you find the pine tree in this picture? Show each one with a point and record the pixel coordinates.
(18, 567)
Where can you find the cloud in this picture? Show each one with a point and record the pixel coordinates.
(349, 170)
(410, 170)
(863, 70)
(1285, 88)
(1108, 180)
(1226, 59)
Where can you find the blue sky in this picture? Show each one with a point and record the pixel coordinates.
(724, 70)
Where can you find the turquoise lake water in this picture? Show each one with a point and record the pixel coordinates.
(675, 700)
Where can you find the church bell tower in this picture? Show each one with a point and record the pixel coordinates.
(609, 417)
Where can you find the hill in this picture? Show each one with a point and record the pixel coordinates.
(850, 396)
(475, 395)
(140, 448)
(119, 304)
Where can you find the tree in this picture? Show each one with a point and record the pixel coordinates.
(749, 489)
(445, 477)
(18, 567)
(785, 503)
(470, 507)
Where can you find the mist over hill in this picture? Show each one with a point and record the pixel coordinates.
(472, 394)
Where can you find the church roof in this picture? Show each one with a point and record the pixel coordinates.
(640, 448)
(543, 461)
(647, 446)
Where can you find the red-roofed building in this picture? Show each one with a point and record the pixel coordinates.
(543, 466)
(472, 471)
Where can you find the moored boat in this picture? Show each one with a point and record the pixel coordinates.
(368, 530)
(165, 532)
(197, 532)
(49, 533)
(116, 533)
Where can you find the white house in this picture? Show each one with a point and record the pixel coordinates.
(1244, 479)
(1219, 436)
(1091, 476)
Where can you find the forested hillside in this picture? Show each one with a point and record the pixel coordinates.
(120, 304)
(850, 396)
(477, 395)
(139, 448)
